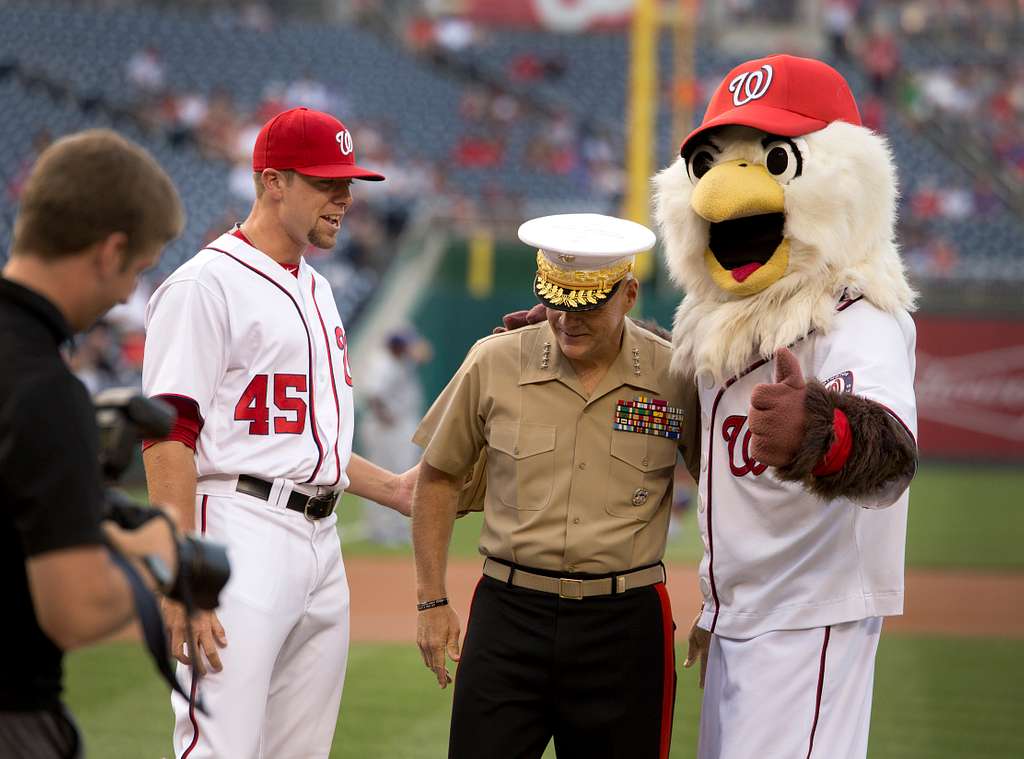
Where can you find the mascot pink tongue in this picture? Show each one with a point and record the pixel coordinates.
(742, 272)
(778, 221)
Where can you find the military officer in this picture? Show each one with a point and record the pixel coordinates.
(570, 631)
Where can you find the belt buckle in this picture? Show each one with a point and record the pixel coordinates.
(577, 589)
(324, 504)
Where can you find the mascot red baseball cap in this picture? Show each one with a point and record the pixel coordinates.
(782, 95)
(310, 142)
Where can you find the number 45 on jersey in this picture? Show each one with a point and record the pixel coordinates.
(253, 406)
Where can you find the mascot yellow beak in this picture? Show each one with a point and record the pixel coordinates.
(745, 205)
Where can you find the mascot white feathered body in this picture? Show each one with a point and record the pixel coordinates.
(778, 222)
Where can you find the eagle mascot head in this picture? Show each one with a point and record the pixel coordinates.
(780, 204)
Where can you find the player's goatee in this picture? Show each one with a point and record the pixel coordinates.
(318, 240)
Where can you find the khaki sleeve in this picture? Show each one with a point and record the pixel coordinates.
(452, 432)
(689, 442)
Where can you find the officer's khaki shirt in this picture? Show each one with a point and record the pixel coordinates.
(564, 490)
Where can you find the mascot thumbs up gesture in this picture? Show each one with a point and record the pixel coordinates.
(778, 222)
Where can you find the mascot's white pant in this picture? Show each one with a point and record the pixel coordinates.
(790, 694)
(285, 614)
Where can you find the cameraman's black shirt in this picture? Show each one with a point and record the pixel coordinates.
(50, 488)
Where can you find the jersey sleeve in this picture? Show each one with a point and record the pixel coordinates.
(871, 354)
(452, 432)
(186, 343)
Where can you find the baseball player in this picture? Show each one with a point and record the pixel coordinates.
(246, 341)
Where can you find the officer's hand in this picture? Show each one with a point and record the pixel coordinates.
(208, 632)
(699, 643)
(777, 417)
(437, 633)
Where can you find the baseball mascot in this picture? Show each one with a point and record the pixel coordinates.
(778, 223)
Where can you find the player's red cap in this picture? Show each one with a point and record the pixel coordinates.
(310, 142)
(782, 95)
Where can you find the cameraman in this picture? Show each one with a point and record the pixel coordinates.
(96, 212)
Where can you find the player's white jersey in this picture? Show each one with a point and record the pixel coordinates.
(264, 355)
(777, 557)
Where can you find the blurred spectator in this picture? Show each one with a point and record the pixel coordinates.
(838, 18)
(93, 359)
(146, 70)
(479, 151)
(880, 58)
(393, 396)
(40, 141)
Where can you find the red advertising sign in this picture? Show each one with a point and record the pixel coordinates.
(556, 15)
(970, 387)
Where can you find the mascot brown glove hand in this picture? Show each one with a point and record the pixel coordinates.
(524, 318)
(777, 416)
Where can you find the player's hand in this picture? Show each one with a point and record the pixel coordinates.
(437, 634)
(518, 319)
(699, 643)
(402, 499)
(777, 417)
(206, 628)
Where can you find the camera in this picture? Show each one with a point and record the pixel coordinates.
(124, 418)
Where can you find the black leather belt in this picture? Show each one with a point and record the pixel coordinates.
(312, 506)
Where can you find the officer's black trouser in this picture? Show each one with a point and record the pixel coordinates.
(597, 674)
(43, 734)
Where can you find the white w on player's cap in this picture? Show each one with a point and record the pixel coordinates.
(310, 142)
(582, 257)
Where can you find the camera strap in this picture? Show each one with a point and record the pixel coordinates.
(152, 626)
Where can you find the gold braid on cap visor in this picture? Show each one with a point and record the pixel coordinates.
(577, 288)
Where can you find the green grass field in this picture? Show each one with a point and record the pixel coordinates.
(934, 699)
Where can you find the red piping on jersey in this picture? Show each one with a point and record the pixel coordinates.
(334, 389)
(847, 303)
(821, 687)
(290, 268)
(895, 416)
(309, 346)
(711, 452)
(668, 687)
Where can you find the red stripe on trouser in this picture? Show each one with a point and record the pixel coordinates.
(669, 684)
(192, 716)
(195, 679)
(821, 685)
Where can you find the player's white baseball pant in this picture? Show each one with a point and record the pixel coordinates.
(790, 694)
(285, 614)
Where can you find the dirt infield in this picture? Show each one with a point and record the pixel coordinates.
(939, 602)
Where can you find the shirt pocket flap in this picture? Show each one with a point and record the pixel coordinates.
(521, 440)
(644, 452)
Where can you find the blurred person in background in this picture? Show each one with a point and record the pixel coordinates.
(96, 211)
(393, 407)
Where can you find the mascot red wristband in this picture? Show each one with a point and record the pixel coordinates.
(840, 449)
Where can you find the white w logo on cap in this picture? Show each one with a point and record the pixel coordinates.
(751, 85)
(344, 140)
